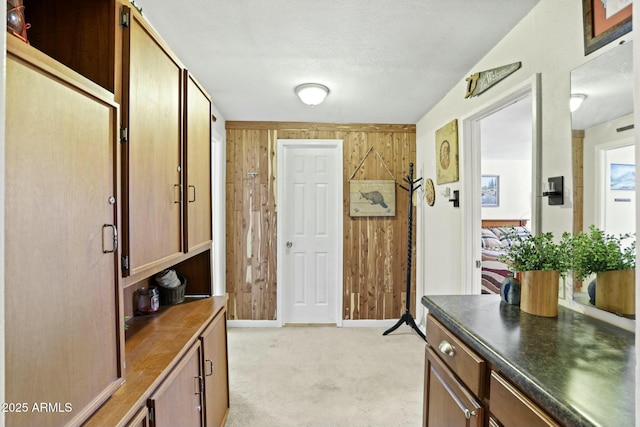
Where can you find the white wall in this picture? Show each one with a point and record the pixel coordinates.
(514, 176)
(218, 211)
(548, 41)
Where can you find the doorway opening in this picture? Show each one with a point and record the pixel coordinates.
(503, 157)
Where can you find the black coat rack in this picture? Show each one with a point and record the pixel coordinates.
(407, 317)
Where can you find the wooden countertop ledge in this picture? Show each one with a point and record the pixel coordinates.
(153, 347)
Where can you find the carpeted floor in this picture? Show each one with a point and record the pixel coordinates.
(325, 377)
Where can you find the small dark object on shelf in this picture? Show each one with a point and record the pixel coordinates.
(175, 295)
(15, 20)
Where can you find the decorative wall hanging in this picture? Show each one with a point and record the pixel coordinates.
(604, 21)
(483, 80)
(429, 192)
(371, 197)
(447, 153)
(490, 190)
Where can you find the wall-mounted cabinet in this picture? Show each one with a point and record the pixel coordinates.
(63, 318)
(165, 126)
(152, 144)
(108, 182)
(197, 176)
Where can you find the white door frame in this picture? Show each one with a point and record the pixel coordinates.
(335, 144)
(471, 156)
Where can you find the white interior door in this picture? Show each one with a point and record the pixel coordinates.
(310, 230)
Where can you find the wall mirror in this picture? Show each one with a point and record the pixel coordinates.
(603, 147)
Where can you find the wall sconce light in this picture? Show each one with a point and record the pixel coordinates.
(554, 189)
(456, 199)
(576, 101)
(312, 93)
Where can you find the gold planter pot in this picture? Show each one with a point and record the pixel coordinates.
(539, 292)
(616, 291)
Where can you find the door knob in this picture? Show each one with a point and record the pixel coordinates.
(289, 244)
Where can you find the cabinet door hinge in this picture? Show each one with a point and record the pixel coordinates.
(124, 134)
(151, 415)
(124, 19)
(125, 262)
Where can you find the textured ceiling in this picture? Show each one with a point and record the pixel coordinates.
(384, 61)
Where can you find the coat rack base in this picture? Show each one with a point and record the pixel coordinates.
(406, 318)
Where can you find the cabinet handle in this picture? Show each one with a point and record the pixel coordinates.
(210, 362)
(199, 385)
(447, 348)
(467, 413)
(194, 193)
(114, 244)
(179, 193)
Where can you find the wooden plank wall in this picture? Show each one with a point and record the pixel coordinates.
(375, 248)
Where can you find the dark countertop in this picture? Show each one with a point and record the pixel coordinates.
(579, 369)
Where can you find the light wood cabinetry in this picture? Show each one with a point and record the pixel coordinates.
(159, 347)
(197, 177)
(151, 118)
(63, 317)
(166, 127)
(141, 419)
(178, 401)
(215, 369)
(108, 183)
(462, 389)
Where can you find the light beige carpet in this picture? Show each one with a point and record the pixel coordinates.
(325, 377)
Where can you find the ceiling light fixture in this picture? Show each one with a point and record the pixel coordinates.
(576, 100)
(312, 93)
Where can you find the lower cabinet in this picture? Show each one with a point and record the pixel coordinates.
(447, 402)
(511, 408)
(176, 369)
(457, 393)
(216, 385)
(141, 419)
(178, 401)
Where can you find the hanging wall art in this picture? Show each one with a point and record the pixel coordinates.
(369, 197)
(447, 153)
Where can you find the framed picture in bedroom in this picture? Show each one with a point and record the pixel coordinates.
(490, 190)
(604, 21)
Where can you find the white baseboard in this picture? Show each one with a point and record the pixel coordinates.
(253, 324)
(369, 323)
(366, 323)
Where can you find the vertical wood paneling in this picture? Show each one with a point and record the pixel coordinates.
(374, 248)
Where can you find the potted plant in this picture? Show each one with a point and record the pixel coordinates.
(613, 259)
(541, 261)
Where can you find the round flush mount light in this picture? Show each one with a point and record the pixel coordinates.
(576, 100)
(312, 93)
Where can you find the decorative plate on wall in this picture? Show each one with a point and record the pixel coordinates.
(429, 192)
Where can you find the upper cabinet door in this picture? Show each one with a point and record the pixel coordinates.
(198, 165)
(152, 169)
(63, 316)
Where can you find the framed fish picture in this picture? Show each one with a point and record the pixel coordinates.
(372, 198)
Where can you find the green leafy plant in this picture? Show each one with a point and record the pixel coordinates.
(539, 252)
(597, 251)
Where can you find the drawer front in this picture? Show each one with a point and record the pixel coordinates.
(512, 408)
(447, 402)
(466, 364)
